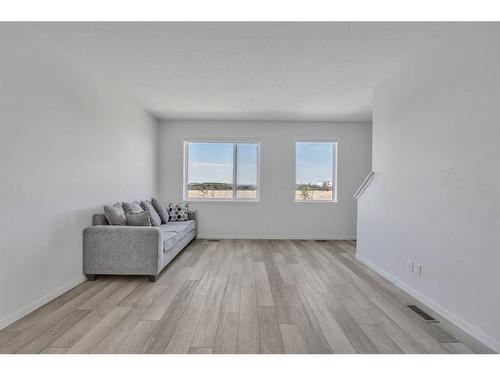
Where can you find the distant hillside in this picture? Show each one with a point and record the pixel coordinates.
(313, 187)
(217, 186)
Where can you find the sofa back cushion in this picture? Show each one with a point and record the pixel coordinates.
(162, 211)
(153, 215)
(115, 214)
(99, 219)
(138, 220)
(132, 207)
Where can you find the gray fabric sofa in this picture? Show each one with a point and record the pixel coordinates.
(127, 250)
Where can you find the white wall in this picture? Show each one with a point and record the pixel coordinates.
(68, 145)
(276, 215)
(435, 196)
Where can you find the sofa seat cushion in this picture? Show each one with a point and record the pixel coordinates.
(182, 228)
(170, 239)
(182, 233)
(189, 224)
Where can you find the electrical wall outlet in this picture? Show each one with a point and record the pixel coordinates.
(410, 265)
(418, 269)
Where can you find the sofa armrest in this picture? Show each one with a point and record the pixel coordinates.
(112, 249)
(193, 215)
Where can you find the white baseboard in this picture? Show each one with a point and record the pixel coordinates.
(459, 322)
(7, 321)
(270, 237)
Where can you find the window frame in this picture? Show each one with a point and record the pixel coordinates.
(234, 199)
(334, 169)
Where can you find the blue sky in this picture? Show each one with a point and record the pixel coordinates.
(213, 162)
(314, 162)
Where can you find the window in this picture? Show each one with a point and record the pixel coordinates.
(221, 171)
(315, 171)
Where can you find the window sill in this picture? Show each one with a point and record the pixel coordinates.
(315, 202)
(225, 201)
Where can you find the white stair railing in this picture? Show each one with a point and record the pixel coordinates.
(364, 185)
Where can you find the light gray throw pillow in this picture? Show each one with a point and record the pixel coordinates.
(114, 214)
(153, 215)
(138, 220)
(132, 207)
(162, 211)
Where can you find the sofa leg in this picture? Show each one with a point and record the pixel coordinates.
(152, 278)
(90, 277)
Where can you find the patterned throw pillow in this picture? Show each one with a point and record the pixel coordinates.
(178, 212)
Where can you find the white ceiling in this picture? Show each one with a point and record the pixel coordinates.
(262, 71)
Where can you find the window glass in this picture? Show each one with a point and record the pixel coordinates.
(315, 171)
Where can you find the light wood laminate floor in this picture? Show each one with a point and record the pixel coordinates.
(240, 296)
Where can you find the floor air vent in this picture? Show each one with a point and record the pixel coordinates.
(423, 314)
(213, 240)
